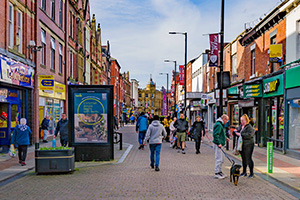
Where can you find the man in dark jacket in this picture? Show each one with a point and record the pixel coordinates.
(219, 141)
(182, 126)
(62, 127)
(198, 132)
(45, 128)
(141, 128)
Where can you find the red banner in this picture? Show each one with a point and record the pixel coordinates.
(214, 50)
(181, 74)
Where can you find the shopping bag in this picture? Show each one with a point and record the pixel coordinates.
(12, 151)
(235, 152)
(239, 143)
(42, 134)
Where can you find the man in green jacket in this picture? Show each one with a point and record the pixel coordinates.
(219, 141)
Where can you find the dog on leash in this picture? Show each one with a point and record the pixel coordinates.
(235, 173)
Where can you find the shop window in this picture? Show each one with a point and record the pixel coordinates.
(235, 115)
(52, 53)
(294, 124)
(43, 52)
(20, 31)
(60, 58)
(14, 115)
(3, 115)
(11, 25)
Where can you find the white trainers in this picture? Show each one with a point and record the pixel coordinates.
(222, 174)
(219, 176)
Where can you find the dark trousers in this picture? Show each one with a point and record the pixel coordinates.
(197, 142)
(22, 150)
(63, 142)
(168, 134)
(246, 153)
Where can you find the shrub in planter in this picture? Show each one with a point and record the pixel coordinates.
(54, 160)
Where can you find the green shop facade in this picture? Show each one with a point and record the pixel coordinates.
(292, 114)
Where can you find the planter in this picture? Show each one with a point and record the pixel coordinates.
(54, 161)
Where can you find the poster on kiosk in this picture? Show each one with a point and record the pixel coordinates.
(91, 122)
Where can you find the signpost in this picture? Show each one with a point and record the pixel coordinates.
(270, 156)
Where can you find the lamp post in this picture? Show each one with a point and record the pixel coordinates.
(174, 84)
(167, 90)
(185, 61)
(220, 110)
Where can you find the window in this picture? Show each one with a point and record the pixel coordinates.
(152, 96)
(274, 65)
(11, 25)
(43, 40)
(43, 4)
(60, 58)
(146, 95)
(71, 64)
(298, 39)
(87, 41)
(152, 103)
(253, 61)
(60, 20)
(70, 24)
(52, 6)
(52, 53)
(233, 65)
(140, 95)
(20, 31)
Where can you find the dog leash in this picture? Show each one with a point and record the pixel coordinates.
(227, 156)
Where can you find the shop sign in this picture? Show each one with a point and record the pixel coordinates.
(245, 103)
(273, 86)
(211, 98)
(46, 82)
(196, 103)
(59, 91)
(270, 156)
(16, 73)
(218, 94)
(275, 52)
(232, 90)
(9, 95)
(250, 91)
(292, 77)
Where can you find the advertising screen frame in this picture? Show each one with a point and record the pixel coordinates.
(94, 150)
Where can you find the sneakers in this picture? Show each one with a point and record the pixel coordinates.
(219, 176)
(183, 152)
(178, 151)
(243, 175)
(45, 141)
(157, 169)
(197, 152)
(251, 176)
(23, 163)
(222, 174)
(152, 166)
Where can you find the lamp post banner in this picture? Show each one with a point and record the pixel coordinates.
(181, 74)
(214, 50)
(164, 108)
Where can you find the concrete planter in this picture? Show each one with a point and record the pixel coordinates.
(54, 161)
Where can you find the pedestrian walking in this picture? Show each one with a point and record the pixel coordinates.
(45, 128)
(141, 128)
(219, 139)
(62, 128)
(173, 133)
(182, 127)
(20, 138)
(155, 134)
(198, 132)
(167, 122)
(132, 119)
(247, 132)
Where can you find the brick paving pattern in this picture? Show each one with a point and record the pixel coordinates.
(188, 176)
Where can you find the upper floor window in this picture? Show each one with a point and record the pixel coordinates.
(52, 6)
(60, 20)
(273, 40)
(20, 31)
(233, 65)
(43, 40)
(140, 95)
(146, 95)
(43, 4)
(11, 25)
(60, 58)
(52, 53)
(253, 61)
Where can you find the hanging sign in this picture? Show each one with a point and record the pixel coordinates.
(275, 52)
(181, 74)
(214, 50)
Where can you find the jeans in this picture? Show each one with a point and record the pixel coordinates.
(22, 152)
(246, 153)
(197, 142)
(142, 135)
(155, 149)
(63, 142)
(219, 157)
(46, 133)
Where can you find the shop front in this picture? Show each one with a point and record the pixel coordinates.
(52, 96)
(292, 114)
(274, 109)
(251, 105)
(17, 82)
(233, 94)
(211, 111)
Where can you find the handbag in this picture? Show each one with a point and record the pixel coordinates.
(12, 151)
(239, 143)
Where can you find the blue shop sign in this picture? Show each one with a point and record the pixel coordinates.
(9, 95)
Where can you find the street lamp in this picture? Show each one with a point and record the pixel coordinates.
(167, 89)
(185, 61)
(174, 84)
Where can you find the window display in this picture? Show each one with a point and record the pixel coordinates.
(294, 124)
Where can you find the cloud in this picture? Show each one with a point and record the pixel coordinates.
(138, 30)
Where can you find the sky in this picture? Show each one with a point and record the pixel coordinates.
(138, 30)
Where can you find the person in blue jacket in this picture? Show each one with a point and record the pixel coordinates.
(62, 127)
(21, 137)
(141, 128)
